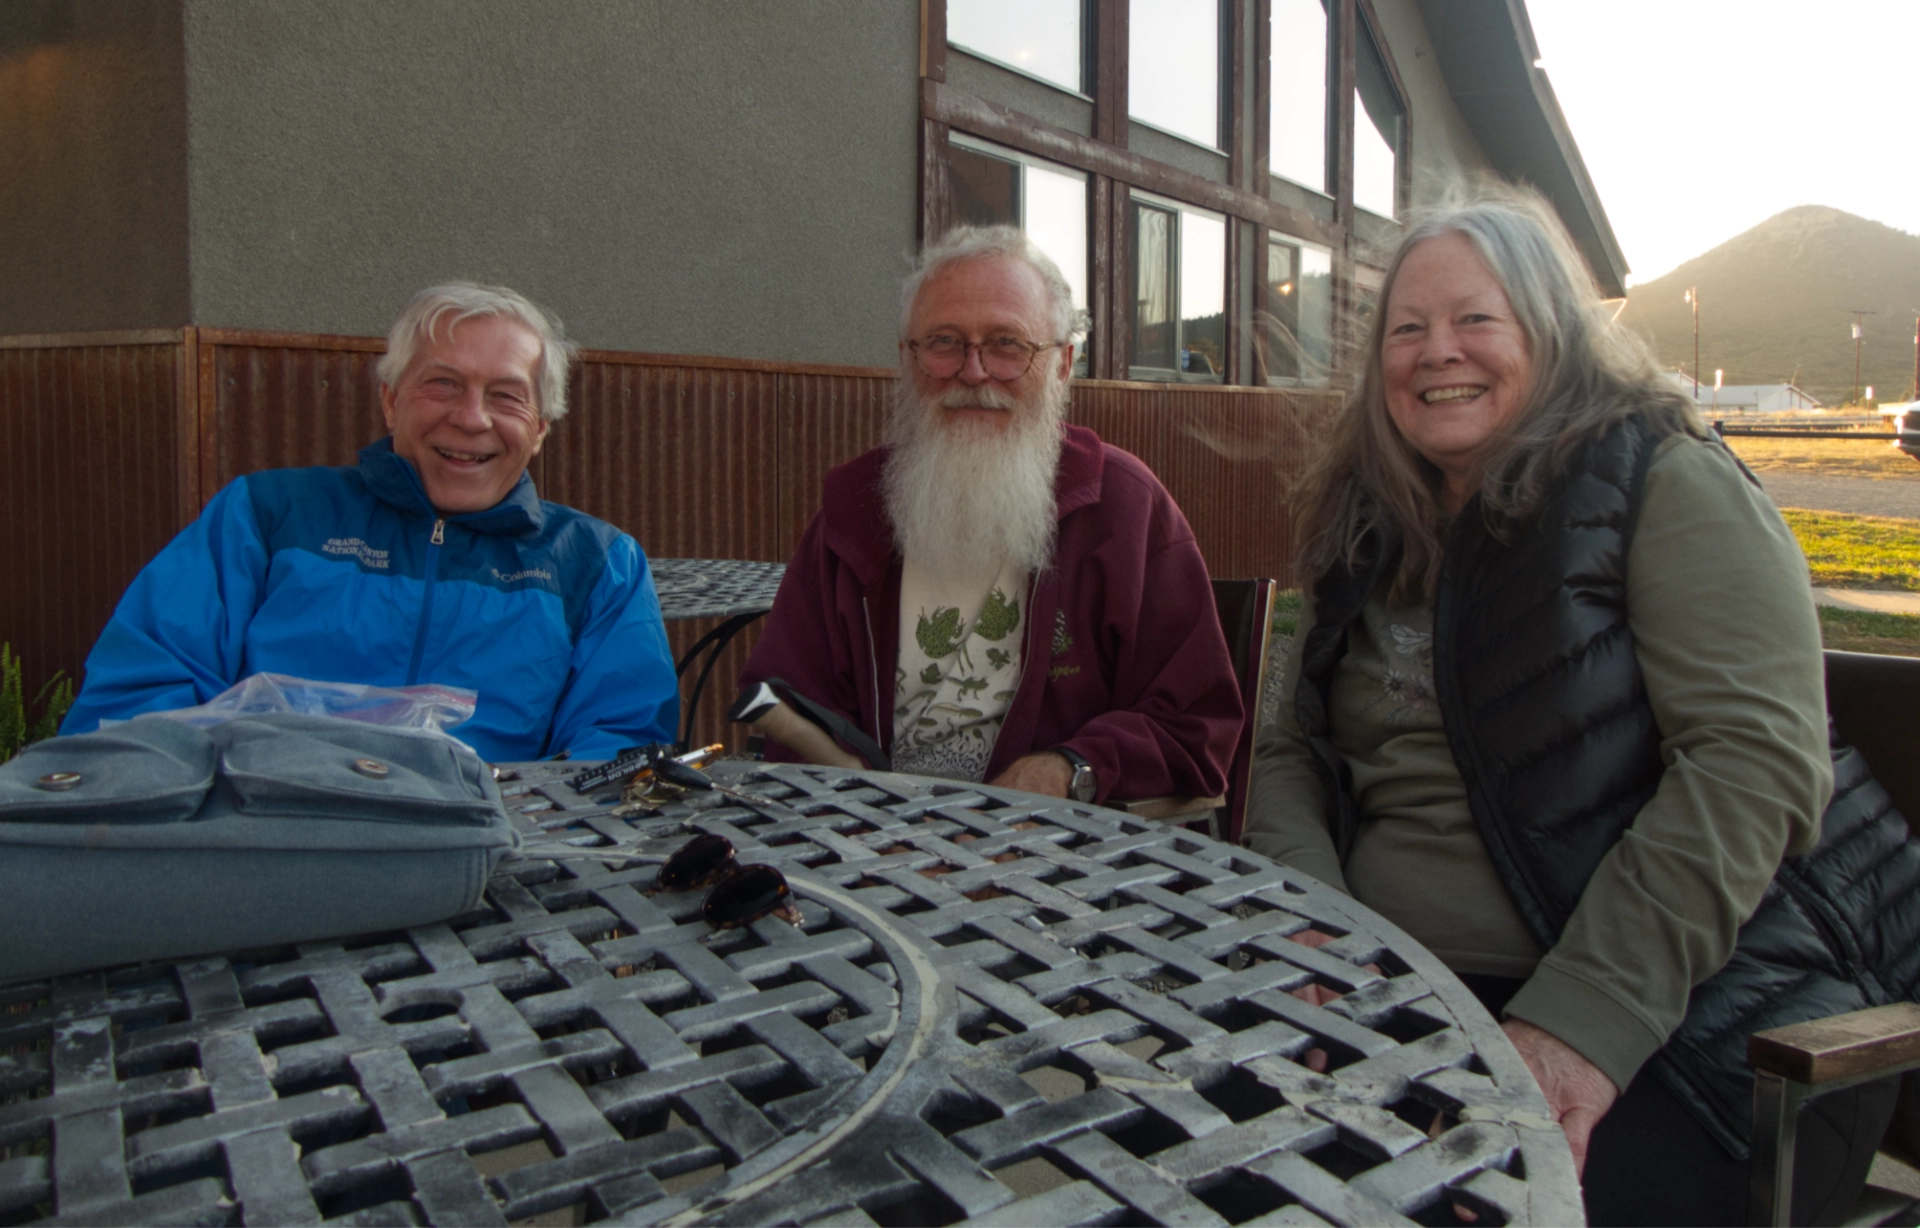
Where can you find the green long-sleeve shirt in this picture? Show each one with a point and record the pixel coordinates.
(1729, 646)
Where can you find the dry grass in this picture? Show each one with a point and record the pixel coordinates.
(1840, 458)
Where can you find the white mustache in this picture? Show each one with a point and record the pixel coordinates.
(986, 396)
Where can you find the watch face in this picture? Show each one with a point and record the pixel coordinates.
(1083, 785)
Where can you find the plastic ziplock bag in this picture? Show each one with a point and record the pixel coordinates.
(428, 708)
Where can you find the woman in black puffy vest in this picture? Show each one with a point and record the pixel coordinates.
(1556, 708)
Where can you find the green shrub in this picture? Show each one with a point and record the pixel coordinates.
(19, 726)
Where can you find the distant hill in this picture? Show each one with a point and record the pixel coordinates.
(1776, 299)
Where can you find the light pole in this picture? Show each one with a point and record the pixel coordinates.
(1859, 332)
(1693, 300)
(1718, 374)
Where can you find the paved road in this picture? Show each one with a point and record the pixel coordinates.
(1857, 496)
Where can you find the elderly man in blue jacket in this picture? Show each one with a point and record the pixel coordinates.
(431, 561)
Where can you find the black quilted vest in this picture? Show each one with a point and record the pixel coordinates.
(1547, 716)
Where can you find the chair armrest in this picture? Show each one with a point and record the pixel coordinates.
(1167, 807)
(1819, 1051)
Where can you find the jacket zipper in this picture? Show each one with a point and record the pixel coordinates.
(873, 656)
(434, 543)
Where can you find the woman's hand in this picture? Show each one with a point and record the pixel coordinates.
(1577, 1092)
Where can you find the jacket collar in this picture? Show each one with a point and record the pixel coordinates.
(394, 481)
(855, 509)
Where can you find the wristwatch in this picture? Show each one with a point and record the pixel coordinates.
(1084, 784)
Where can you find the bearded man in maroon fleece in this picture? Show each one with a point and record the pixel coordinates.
(994, 595)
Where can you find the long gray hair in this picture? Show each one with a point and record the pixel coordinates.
(1588, 374)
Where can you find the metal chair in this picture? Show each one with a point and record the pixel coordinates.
(1875, 705)
(1245, 609)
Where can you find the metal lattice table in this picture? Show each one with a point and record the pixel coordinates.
(715, 588)
(1001, 1009)
(735, 590)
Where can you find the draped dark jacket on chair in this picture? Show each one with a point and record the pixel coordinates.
(1534, 622)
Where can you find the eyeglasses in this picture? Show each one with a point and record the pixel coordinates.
(739, 895)
(1004, 358)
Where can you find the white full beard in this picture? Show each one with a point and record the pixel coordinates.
(967, 499)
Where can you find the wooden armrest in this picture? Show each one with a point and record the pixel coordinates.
(1840, 1047)
(1168, 807)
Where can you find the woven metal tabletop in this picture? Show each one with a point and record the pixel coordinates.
(715, 588)
(1000, 1009)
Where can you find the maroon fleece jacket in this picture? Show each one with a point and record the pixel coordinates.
(1123, 660)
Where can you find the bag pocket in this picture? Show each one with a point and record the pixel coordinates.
(340, 770)
(148, 770)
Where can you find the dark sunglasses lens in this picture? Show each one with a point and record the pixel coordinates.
(746, 896)
(701, 860)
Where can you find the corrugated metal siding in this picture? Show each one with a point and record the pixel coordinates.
(696, 458)
(682, 458)
(1228, 456)
(280, 406)
(90, 440)
(679, 457)
(827, 420)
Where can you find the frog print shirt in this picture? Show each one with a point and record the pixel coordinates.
(958, 669)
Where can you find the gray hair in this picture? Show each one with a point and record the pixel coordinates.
(1003, 242)
(455, 302)
(1588, 374)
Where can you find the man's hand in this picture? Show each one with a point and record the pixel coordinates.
(1045, 772)
(1577, 1092)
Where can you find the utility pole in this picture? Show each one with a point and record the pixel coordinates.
(1916, 353)
(1693, 300)
(1859, 332)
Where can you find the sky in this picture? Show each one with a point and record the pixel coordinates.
(1700, 118)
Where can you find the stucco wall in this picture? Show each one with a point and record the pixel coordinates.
(93, 192)
(1444, 149)
(734, 177)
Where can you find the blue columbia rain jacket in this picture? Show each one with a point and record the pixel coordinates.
(348, 575)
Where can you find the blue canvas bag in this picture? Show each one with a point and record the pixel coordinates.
(154, 839)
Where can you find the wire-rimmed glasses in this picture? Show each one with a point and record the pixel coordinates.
(1004, 357)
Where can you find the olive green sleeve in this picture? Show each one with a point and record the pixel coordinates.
(1724, 627)
(1287, 804)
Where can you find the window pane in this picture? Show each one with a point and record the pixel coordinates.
(1173, 68)
(1037, 36)
(1153, 320)
(986, 190)
(1278, 324)
(1377, 113)
(1316, 315)
(1203, 295)
(1297, 144)
(1057, 223)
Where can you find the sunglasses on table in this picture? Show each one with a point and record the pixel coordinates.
(738, 895)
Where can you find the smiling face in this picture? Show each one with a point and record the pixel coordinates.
(1458, 366)
(978, 300)
(465, 412)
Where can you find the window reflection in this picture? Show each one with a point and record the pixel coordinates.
(1378, 118)
(1293, 329)
(1179, 303)
(1173, 67)
(991, 186)
(1154, 333)
(1203, 295)
(1041, 37)
(986, 189)
(1297, 142)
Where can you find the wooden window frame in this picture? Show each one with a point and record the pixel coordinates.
(1114, 171)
